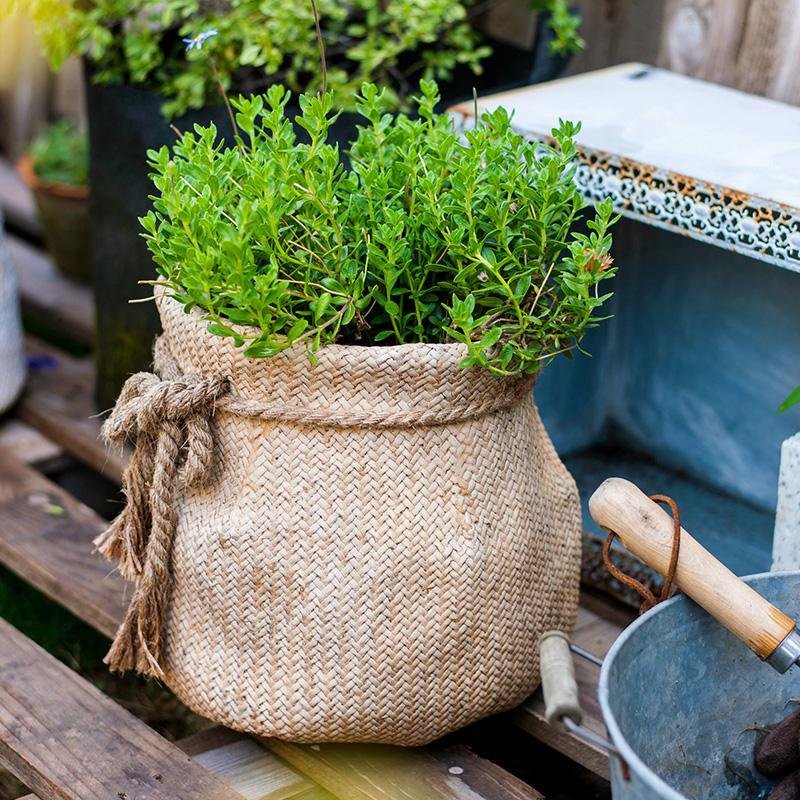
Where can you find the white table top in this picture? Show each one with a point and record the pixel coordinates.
(701, 159)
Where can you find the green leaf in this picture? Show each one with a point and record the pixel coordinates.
(792, 400)
(218, 329)
(297, 329)
(490, 338)
(320, 306)
(261, 349)
(522, 286)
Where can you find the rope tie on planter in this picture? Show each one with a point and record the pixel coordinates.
(170, 422)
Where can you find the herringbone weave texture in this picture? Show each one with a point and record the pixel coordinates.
(342, 576)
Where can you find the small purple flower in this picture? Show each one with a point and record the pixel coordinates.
(199, 40)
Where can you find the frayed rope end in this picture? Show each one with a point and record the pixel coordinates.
(129, 650)
(120, 543)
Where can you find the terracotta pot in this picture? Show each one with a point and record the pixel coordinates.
(64, 214)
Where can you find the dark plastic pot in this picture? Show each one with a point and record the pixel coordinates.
(126, 121)
(64, 215)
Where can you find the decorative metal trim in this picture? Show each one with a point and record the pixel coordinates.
(746, 224)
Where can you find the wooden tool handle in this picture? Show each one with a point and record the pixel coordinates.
(647, 531)
(559, 687)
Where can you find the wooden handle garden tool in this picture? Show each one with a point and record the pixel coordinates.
(647, 531)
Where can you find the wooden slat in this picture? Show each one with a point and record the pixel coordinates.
(48, 297)
(625, 30)
(381, 772)
(53, 552)
(46, 538)
(57, 402)
(65, 739)
(744, 44)
(29, 445)
(254, 771)
(246, 767)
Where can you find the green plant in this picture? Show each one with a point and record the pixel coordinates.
(792, 400)
(61, 154)
(565, 25)
(260, 42)
(426, 237)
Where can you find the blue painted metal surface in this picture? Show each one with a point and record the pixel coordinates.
(701, 350)
(689, 373)
(706, 350)
(683, 700)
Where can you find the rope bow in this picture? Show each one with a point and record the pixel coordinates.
(170, 422)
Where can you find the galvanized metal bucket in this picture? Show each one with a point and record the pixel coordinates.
(684, 702)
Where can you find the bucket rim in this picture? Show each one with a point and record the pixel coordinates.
(628, 754)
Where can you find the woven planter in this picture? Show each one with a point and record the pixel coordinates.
(365, 549)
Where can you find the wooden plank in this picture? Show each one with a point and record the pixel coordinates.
(48, 297)
(246, 767)
(65, 739)
(746, 44)
(46, 538)
(29, 445)
(256, 773)
(381, 772)
(57, 402)
(616, 32)
(53, 552)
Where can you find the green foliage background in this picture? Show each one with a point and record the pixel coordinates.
(260, 42)
(61, 154)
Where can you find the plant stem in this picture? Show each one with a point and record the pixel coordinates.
(321, 45)
(224, 95)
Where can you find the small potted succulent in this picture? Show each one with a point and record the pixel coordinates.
(148, 58)
(345, 519)
(55, 168)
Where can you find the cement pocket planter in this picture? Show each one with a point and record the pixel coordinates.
(364, 549)
(64, 216)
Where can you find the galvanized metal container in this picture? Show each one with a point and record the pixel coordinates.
(684, 702)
